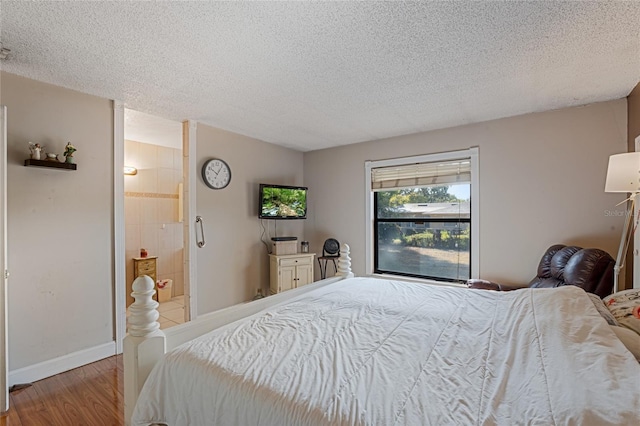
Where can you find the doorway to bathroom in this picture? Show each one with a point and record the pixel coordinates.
(153, 211)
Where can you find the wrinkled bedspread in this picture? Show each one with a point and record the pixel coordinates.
(368, 351)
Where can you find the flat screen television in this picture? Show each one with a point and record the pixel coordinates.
(282, 202)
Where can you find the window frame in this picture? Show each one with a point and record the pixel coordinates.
(370, 231)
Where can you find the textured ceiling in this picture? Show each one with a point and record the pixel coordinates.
(311, 75)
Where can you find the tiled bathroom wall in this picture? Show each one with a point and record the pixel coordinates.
(151, 211)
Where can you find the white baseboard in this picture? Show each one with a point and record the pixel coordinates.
(61, 364)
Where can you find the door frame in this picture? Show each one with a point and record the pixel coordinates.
(119, 272)
(636, 239)
(189, 131)
(120, 278)
(4, 346)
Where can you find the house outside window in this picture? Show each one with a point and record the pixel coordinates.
(428, 239)
(422, 213)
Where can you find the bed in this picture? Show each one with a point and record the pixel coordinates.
(358, 351)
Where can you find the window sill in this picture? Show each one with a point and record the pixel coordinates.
(417, 280)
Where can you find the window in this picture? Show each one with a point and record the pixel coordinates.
(422, 213)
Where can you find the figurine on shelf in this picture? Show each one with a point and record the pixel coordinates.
(52, 157)
(35, 150)
(68, 153)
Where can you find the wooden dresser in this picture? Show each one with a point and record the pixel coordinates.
(146, 266)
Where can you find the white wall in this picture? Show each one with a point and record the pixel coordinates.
(541, 182)
(234, 263)
(60, 223)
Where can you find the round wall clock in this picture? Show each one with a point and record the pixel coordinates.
(216, 173)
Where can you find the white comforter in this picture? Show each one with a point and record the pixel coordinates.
(376, 352)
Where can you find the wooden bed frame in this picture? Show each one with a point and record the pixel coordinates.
(146, 344)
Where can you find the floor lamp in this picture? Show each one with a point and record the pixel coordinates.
(623, 175)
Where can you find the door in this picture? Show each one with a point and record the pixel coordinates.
(4, 362)
(287, 278)
(304, 275)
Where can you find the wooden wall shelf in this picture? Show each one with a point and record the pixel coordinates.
(47, 163)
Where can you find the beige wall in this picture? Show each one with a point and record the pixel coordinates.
(541, 182)
(542, 178)
(59, 223)
(234, 263)
(151, 211)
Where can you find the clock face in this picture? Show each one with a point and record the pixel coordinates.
(216, 173)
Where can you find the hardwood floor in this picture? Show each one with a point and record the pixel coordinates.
(87, 396)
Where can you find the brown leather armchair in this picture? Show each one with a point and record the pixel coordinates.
(590, 269)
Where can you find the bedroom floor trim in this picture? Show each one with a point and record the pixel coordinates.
(57, 365)
(89, 395)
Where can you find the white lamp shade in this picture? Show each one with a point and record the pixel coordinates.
(623, 173)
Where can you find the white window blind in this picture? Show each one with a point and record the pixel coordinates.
(421, 175)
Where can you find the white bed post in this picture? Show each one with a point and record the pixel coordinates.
(344, 263)
(143, 345)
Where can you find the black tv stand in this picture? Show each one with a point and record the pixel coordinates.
(284, 238)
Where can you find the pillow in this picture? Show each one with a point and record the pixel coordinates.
(602, 309)
(630, 339)
(625, 307)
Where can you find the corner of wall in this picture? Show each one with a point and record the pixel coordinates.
(633, 116)
(633, 131)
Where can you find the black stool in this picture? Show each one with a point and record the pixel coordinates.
(330, 252)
